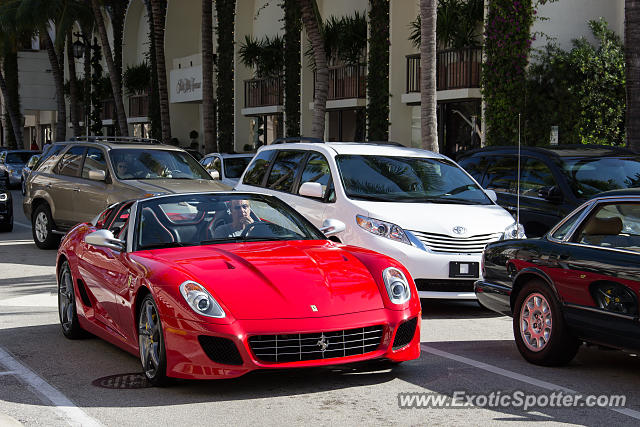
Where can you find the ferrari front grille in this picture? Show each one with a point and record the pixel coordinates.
(405, 333)
(316, 346)
(449, 244)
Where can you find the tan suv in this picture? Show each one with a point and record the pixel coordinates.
(75, 180)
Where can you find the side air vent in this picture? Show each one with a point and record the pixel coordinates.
(405, 333)
(84, 296)
(220, 350)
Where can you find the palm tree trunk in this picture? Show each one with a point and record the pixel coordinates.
(159, 9)
(311, 21)
(14, 116)
(58, 79)
(74, 110)
(113, 72)
(632, 63)
(428, 100)
(292, 28)
(208, 100)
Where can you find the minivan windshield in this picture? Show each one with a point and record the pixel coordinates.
(133, 163)
(19, 157)
(407, 179)
(590, 176)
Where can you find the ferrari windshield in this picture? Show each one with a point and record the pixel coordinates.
(407, 179)
(134, 163)
(203, 219)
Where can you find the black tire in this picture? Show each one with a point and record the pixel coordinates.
(42, 228)
(545, 339)
(153, 355)
(67, 304)
(8, 227)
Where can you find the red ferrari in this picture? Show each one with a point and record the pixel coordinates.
(214, 285)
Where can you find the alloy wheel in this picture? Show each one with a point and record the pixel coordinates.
(535, 322)
(41, 226)
(149, 338)
(66, 300)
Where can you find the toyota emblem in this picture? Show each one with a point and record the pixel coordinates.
(459, 229)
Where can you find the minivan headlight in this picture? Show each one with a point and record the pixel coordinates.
(397, 285)
(383, 229)
(514, 231)
(200, 300)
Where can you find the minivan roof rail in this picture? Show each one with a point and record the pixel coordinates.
(115, 139)
(297, 139)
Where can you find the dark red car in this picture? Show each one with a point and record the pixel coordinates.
(580, 282)
(214, 285)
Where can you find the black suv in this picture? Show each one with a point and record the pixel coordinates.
(553, 180)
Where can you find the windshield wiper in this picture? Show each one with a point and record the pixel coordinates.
(372, 198)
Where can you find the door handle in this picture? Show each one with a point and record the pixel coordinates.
(76, 189)
(48, 185)
(511, 208)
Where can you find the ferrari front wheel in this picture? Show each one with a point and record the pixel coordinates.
(151, 342)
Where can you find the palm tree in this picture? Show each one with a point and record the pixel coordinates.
(117, 10)
(8, 50)
(116, 86)
(14, 116)
(292, 28)
(159, 9)
(225, 10)
(208, 100)
(428, 101)
(632, 62)
(312, 24)
(74, 110)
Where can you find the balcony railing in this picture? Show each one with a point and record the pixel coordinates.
(139, 105)
(346, 81)
(455, 69)
(108, 109)
(263, 92)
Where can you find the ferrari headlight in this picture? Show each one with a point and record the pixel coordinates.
(4, 197)
(383, 229)
(514, 231)
(397, 285)
(200, 300)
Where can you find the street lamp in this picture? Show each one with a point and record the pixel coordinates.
(78, 48)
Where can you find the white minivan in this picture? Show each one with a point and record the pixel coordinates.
(416, 206)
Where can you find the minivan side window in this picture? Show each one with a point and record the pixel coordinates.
(71, 162)
(535, 175)
(317, 170)
(49, 158)
(284, 170)
(502, 175)
(258, 168)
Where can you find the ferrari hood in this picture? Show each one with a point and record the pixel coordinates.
(269, 280)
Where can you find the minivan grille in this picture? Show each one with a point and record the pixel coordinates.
(316, 346)
(449, 244)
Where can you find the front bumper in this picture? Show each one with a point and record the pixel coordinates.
(15, 177)
(429, 270)
(186, 357)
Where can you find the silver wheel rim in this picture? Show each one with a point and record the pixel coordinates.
(535, 322)
(66, 300)
(149, 339)
(42, 222)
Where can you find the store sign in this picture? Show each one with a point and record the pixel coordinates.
(186, 84)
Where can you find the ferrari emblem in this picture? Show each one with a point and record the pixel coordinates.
(323, 343)
(314, 308)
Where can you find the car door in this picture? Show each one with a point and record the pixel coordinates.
(316, 169)
(64, 183)
(92, 196)
(106, 275)
(595, 272)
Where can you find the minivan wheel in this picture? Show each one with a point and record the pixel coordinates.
(42, 228)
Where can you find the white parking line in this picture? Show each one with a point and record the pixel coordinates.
(74, 415)
(7, 373)
(516, 376)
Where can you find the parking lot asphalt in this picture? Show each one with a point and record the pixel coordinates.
(46, 379)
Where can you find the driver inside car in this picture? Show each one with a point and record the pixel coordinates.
(240, 220)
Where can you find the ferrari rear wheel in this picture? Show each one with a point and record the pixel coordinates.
(540, 331)
(67, 304)
(151, 342)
